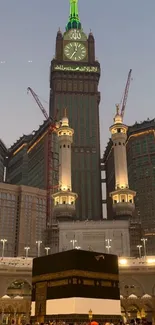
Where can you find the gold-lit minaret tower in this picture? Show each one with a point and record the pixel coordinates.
(64, 199)
(123, 197)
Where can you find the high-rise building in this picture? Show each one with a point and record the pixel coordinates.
(141, 173)
(17, 161)
(74, 80)
(3, 154)
(22, 218)
(27, 161)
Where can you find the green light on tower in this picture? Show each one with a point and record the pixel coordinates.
(74, 20)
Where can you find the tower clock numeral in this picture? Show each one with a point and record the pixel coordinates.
(75, 51)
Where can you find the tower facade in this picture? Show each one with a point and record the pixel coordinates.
(122, 197)
(64, 199)
(74, 78)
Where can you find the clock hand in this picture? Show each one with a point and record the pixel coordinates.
(73, 54)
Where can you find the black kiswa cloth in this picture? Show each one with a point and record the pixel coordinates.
(75, 260)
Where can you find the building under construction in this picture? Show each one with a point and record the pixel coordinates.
(3, 154)
(27, 162)
(141, 172)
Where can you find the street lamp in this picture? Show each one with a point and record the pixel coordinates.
(144, 240)
(38, 242)
(47, 249)
(77, 247)
(3, 247)
(108, 246)
(139, 248)
(73, 241)
(26, 251)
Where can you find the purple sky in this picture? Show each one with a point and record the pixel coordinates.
(124, 33)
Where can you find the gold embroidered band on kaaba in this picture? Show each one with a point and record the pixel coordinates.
(85, 282)
(75, 273)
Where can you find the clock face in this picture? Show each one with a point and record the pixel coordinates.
(75, 51)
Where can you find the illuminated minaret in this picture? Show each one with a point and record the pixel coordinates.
(123, 197)
(64, 199)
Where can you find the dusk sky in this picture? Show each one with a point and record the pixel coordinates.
(124, 34)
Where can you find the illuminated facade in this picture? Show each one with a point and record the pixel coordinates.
(140, 147)
(122, 196)
(74, 80)
(28, 160)
(17, 162)
(64, 198)
(22, 219)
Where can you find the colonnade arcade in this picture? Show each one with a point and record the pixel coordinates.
(15, 305)
(136, 302)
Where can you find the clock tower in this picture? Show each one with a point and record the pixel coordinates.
(74, 79)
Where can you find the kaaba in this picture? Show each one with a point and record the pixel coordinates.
(75, 286)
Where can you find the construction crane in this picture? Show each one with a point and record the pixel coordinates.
(126, 92)
(38, 102)
(51, 129)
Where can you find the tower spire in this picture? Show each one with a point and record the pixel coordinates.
(74, 20)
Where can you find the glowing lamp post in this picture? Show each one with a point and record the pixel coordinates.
(77, 247)
(108, 246)
(3, 247)
(73, 241)
(47, 250)
(139, 248)
(38, 242)
(144, 240)
(26, 251)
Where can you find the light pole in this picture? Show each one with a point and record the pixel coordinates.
(144, 240)
(47, 250)
(77, 247)
(38, 242)
(108, 246)
(3, 247)
(139, 248)
(26, 251)
(73, 241)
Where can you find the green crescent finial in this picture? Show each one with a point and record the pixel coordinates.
(74, 20)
